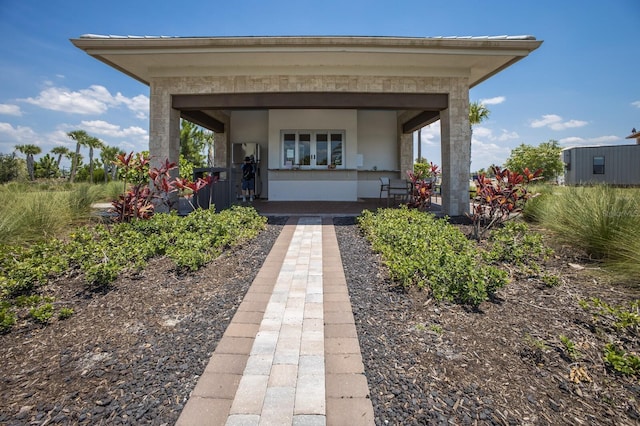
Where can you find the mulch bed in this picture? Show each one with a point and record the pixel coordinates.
(132, 353)
(440, 363)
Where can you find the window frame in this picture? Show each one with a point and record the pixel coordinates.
(296, 139)
(598, 169)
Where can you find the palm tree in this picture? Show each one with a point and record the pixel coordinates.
(477, 114)
(60, 151)
(80, 136)
(72, 156)
(93, 143)
(209, 140)
(30, 151)
(108, 155)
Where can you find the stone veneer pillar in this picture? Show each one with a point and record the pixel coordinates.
(455, 135)
(406, 153)
(164, 131)
(222, 154)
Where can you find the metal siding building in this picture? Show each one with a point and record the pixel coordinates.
(614, 165)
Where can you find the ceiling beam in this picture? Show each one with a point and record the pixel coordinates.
(308, 100)
(202, 119)
(420, 120)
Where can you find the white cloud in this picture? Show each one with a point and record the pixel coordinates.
(430, 134)
(493, 101)
(572, 140)
(546, 120)
(103, 128)
(138, 104)
(487, 133)
(605, 139)
(20, 135)
(486, 148)
(636, 104)
(482, 132)
(484, 154)
(8, 109)
(601, 140)
(555, 122)
(94, 100)
(569, 124)
(507, 136)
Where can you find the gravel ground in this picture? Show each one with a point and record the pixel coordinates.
(132, 353)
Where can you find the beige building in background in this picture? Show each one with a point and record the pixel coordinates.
(331, 114)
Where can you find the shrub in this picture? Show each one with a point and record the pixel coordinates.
(516, 244)
(8, 168)
(81, 198)
(102, 253)
(602, 221)
(500, 198)
(65, 313)
(534, 209)
(620, 361)
(7, 318)
(422, 180)
(42, 314)
(423, 251)
(31, 213)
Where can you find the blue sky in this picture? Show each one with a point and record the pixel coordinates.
(581, 87)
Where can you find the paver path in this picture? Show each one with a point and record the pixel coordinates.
(290, 355)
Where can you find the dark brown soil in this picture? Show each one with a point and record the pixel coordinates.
(132, 353)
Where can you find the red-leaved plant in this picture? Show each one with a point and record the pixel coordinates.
(422, 187)
(146, 188)
(189, 189)
(501, 198)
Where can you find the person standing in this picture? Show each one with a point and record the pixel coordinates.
(248, 179)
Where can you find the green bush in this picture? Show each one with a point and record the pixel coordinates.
(620, 361)
(65, 313)
(42, 314)
(514, 243)
(423, 251)
(8, 168)
(102, 253)
(7, 318)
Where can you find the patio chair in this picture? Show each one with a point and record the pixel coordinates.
(384, 186)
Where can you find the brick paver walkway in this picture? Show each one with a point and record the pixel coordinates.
(290, 355)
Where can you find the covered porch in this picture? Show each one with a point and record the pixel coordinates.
(264, 89)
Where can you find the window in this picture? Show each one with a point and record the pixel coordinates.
(312, 149)
(598, 165)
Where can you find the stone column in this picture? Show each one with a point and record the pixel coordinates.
(164, 130)
(406, 154)
(222, 146)
(405, 147)
(455, 134)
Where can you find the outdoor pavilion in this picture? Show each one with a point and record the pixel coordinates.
(217, 82)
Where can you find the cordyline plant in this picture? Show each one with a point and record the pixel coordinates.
(501, 198)
(146, 188)
(422, 186)
(189, 189)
